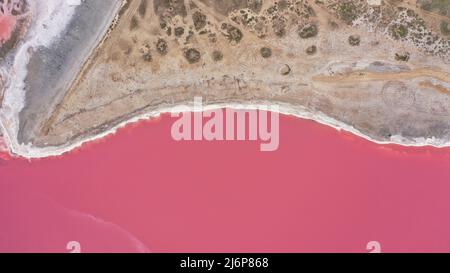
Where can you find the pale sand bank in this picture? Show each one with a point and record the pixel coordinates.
(48, 59)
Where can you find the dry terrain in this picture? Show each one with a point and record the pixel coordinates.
(378, 66)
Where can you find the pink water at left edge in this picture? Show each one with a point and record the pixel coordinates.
(139, 190)
(7, 25)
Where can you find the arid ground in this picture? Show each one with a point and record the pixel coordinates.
(379, 68)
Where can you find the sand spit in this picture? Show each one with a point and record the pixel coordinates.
(52, 69)
(49, 58)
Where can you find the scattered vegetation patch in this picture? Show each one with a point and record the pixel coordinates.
(217, 56)
(445, 30)
(179, 31)
(278, 17)
(399, 31)
(162, 47)
(233, 34)
(199, 20)
(134, 23)
(308, 31)
(348, 12)
(266, 52)
(311, 50)
(279, 27)
(354, 40)
(143, 8)
(402, 57)
(440, 6)
(147, 57)
(192, 55)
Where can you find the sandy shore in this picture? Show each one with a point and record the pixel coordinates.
(46, 66)
(32, 152)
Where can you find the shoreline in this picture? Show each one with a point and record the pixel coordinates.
(57, 18)
(30, 152)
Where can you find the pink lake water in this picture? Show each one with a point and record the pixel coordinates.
(7, 25)
(139, 190)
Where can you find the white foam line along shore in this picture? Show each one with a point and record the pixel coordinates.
(51, 17)
(30, 152)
